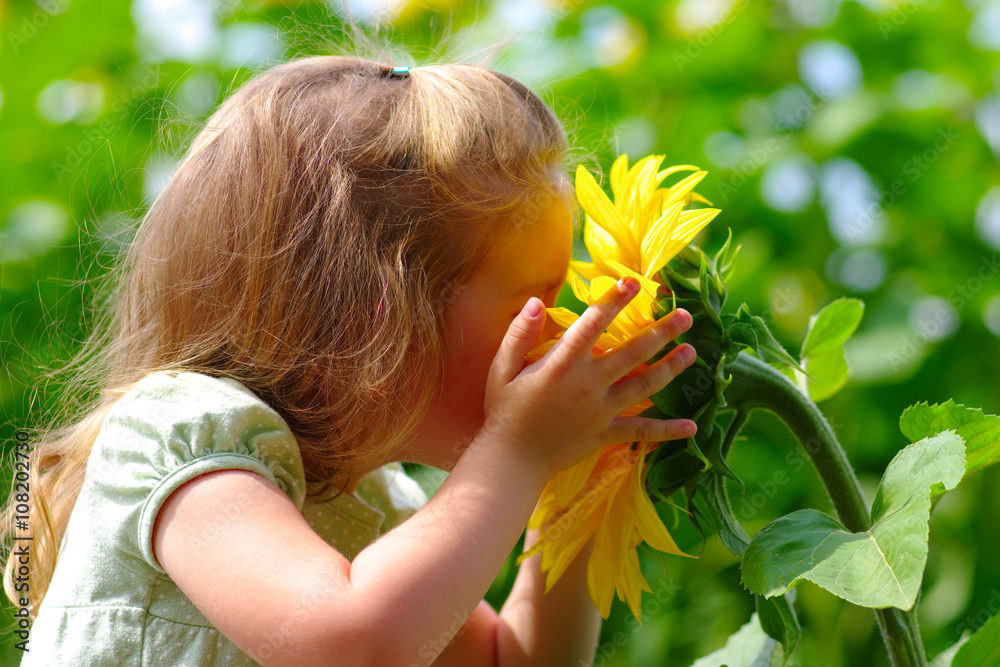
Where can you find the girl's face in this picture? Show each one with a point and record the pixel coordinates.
(533, 261)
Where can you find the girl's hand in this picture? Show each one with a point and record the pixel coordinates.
(566, 405)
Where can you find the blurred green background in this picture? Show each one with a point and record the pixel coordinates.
(851, 147)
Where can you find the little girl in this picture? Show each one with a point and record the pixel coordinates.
(345, 272)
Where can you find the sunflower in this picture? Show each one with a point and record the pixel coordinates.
(602, 496)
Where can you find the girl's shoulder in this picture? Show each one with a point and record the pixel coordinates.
(187, 385)
(170, 427)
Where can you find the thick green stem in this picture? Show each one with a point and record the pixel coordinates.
(757, 385)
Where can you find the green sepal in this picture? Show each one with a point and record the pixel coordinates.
(731, 532)
(759, 338)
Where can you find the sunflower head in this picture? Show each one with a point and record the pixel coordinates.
(646, 230)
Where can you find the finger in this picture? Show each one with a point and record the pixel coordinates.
(638, 349)
(633, 389)
(582, 335)
(520, 338)
(644, 429)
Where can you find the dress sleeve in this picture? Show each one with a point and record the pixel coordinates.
(169, 429)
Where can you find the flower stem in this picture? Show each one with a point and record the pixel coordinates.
(757, 385)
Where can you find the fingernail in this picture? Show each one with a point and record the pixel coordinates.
(689, 429)
(683, 318)
(688, 354)
(627, 285)
(533, 309)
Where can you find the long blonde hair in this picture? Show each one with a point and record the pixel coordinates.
(307, 246)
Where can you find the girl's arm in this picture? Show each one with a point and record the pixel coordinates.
(284, 596)
(557, 629)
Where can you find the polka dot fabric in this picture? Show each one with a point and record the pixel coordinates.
(110, 602)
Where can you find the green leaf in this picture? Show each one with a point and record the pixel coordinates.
(731, 532)
(831, 327)
(827, 374)
(669, 472)
(748, 647)
(778, 620)
(881, 567)
(944, 658)
(982, 649)
(429, 479)
(823, 349)
(980, 432)
(751, 331)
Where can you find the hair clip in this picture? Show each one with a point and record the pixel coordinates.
(399, 72)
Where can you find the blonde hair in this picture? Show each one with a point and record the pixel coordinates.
(307, 246)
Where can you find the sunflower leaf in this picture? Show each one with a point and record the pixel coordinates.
(826, 370)
(983, 648)
(748, 647)
(831, 327)
(778, 620)
(826, 374)
(881, 567)
(981, 432)
(731, 532)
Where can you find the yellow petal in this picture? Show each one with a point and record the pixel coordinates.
(637, 409)
(601, 210)
(682, 189)
(690, 223)
(644, 190)
(546, 507)
(698, 198)
(587, 271)
(580, 288)
(539, 351)
(631, 583)
(647, 287)
(599, 286)
(655, 249)
(599, 243)
(618, 170)
(567, 483)
(563, 316)
(570, 547)
(673, 170)
(600, 574)
(646, 519)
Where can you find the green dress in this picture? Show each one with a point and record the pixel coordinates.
(109, 602)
